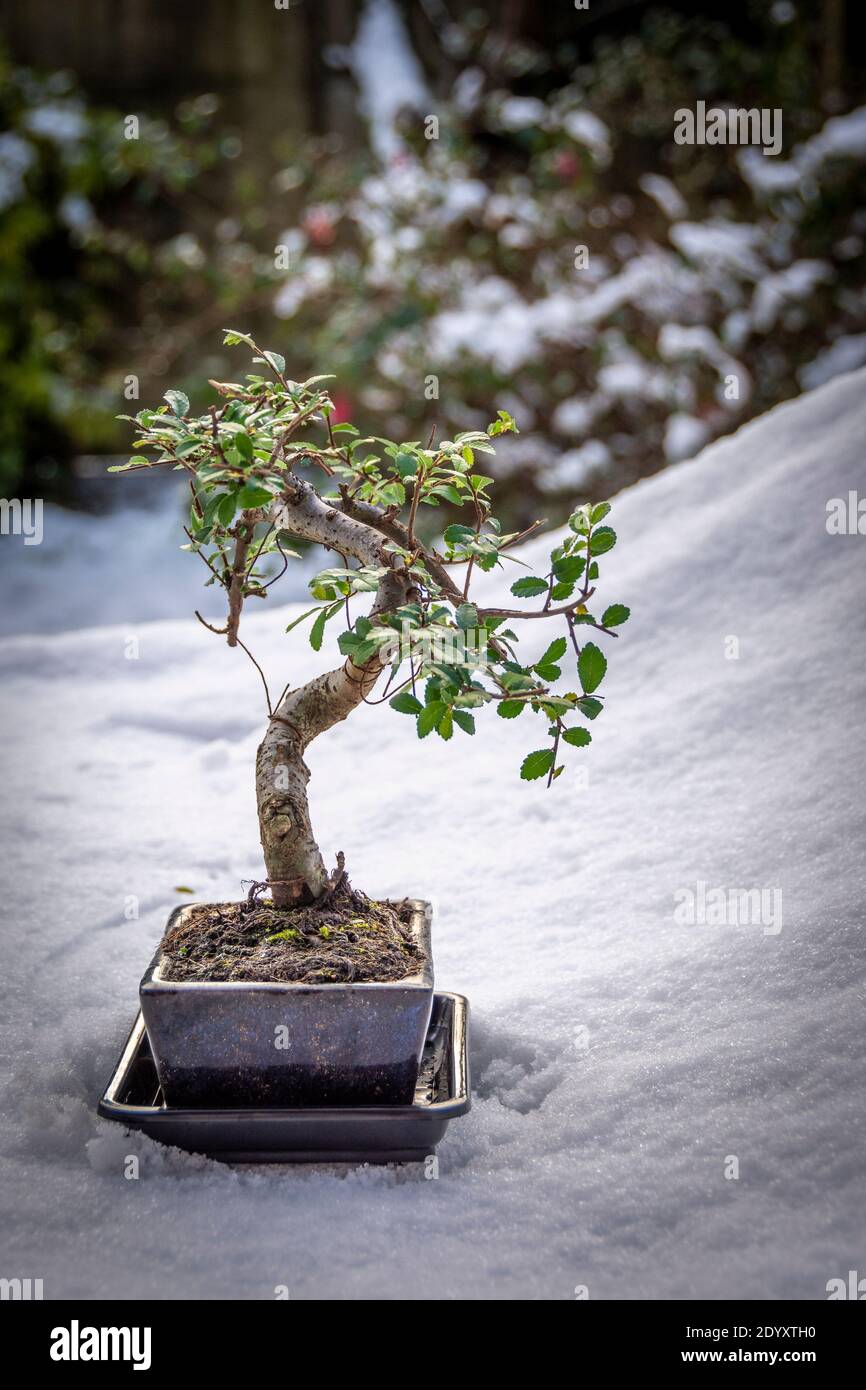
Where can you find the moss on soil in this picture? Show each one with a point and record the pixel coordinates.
(351, 939)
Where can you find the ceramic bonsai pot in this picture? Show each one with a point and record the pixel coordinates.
(273, 1043)
(298, 1134)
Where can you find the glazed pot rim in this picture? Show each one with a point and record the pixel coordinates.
(421, 980)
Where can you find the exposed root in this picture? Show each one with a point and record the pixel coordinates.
(348, 937)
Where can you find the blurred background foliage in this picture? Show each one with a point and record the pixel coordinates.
(279, 177)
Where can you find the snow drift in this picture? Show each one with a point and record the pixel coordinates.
(622, 1058)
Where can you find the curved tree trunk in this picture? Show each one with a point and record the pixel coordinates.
(296, 870)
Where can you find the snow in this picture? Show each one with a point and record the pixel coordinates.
(586, 129)
(123, 567)
(731, 245)
(796, 281)
(619, 1056)
(844, 355)
(665, 195)
(841, 137)
(388, 75)
(518, 113)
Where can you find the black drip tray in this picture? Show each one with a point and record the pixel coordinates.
(332, 1134)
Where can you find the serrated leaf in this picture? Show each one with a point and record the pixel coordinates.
(599, 512)
(458, 535)
(466, 616)
(529, 587)
(554, 653)
(602, 540)
(509, 709)
(430, 716)
(548, 673)
(464, 720)
(406, 703)
(589, 706)
(591, 667)
(445, 727)
(317, 631)
(578, 738)
(536, 764)
(569, 569)
(362, 653)
(178, 402)
(616, 614)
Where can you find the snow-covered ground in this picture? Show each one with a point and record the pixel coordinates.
(621, 1058)
(121, 566)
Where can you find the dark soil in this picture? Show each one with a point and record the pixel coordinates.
(351, 938)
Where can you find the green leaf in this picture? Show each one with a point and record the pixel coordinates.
(243, 444)
(528, 588)
(363, 651)
(599, 512)
(548, 673)
(430, 717)
(178, 402)
(277, 361)
(589, 706)
(252, 496)
(554, 653)
(347, 642)
(226, 509)
(591, 667)
(317, 631)
(466, 616)
(232, 336)
(447, 491)
(465, 721)
(445, 727)
(393, 494)
(578, 738)
(295, 621)
(407, 465)
(458, 535)
(616, 614)
(406, 703)
(509, 709)
(601, 540)
(569, 568)
(537, 764)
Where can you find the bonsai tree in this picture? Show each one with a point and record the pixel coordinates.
(269, 468)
